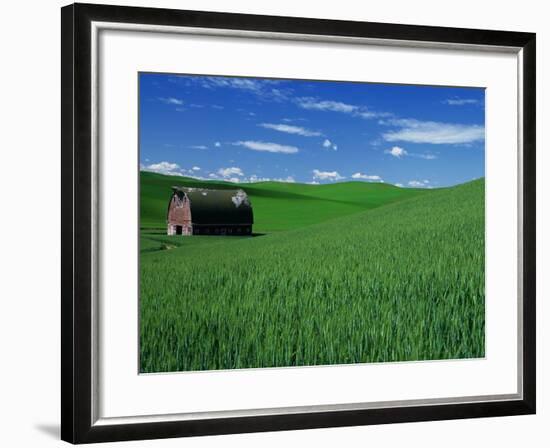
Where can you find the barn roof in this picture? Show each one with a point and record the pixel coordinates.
(210, 206)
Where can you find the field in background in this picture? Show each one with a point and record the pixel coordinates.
(345, 273)
(277, 205)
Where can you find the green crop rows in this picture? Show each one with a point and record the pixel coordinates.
(354, 273)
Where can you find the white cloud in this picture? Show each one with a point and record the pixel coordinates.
(433, 132)
(327, 175)
(232, 171)
(399, 152)
(255, 178)
(198, 147)
(396, 151)
(196, 168)
(263, 88)
(368, 114)
(288, 179)
(291, 120)
(217, 144)
(399, 185)
(236, 83)
(311, 103)
(214, 176)
(460, 101)
(172, 169)
(289, 129)
(419, 183)
(171, 100)
(425, 156)
(267, 146)
(362, 176)
(328, 144)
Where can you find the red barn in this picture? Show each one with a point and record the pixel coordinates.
(204, 211)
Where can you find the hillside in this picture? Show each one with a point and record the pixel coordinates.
(403, 281)
(277, 206)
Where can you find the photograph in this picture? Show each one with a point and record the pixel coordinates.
(294, 222)
(272, 225)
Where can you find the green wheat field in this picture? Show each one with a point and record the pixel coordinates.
(349, 272)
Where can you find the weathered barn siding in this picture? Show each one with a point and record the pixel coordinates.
(202, 211)
(179, 215)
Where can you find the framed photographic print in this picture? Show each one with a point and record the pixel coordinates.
(275, 223)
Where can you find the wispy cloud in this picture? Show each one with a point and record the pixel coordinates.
(217, 144)
(196, 168)
(372, 177)
(425, 156)
(172, 100)
(202, 106)
(461, 101)
(291, 120)
(198, 146)
(312, 103)
(327, 175)
(290, 129)
(416, 131)
(368, 114)
(266, 89)
(235, 83)
(396, 151)
(267, 146)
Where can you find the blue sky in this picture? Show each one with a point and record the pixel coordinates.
(252, 129)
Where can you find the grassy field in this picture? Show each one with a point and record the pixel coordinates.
(345, 273)
(277, 206)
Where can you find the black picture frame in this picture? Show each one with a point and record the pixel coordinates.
(76, 217)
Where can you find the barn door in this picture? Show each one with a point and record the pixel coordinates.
(179, 230)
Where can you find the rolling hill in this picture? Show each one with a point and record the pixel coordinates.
(277, 206)
(380, 274)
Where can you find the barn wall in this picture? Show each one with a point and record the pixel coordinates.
(179, 214)
(235, 230)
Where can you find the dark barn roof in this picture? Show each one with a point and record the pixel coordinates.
(218, 206)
